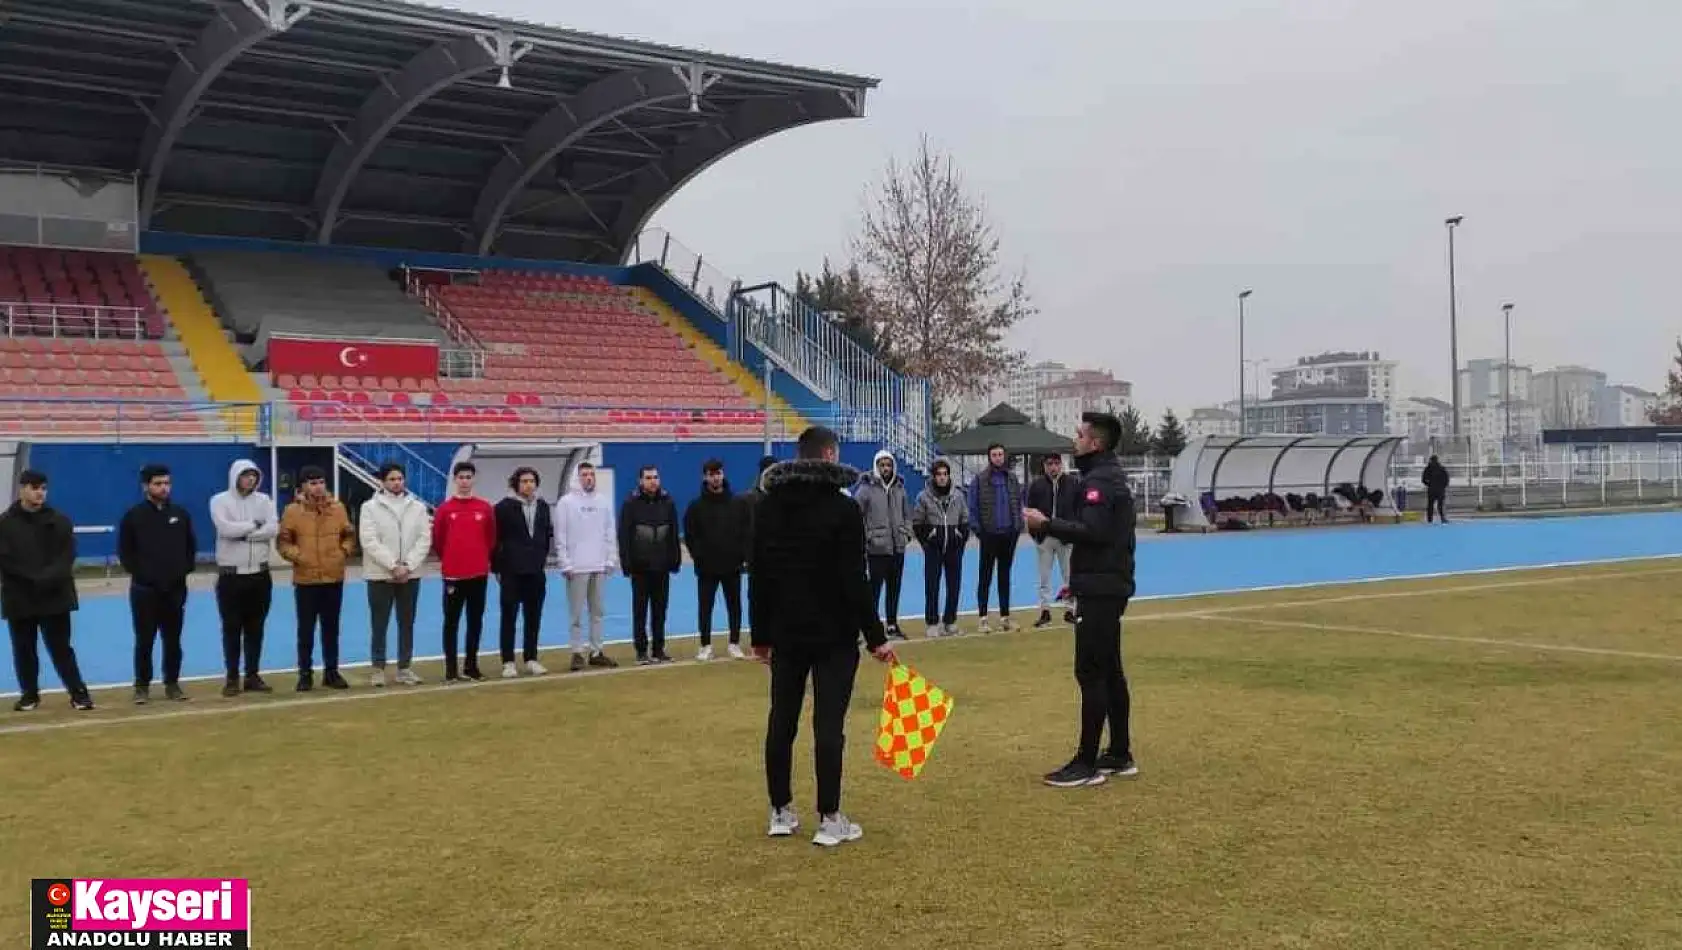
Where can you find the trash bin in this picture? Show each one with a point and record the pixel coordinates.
(1171, 505)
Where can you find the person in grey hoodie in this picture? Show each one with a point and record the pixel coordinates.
(246, 526)
(941, 523)
(887, 532)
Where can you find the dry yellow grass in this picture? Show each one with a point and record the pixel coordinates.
(1302, 788)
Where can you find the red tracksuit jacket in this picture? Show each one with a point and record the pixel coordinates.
(464, 535)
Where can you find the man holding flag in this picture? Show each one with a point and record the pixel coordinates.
(808, 602)
(1100, 525)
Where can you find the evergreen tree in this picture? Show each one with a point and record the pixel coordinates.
(1135, 435)
(1669, 410)
(1170, 438)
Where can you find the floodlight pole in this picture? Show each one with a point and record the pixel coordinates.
(1243, 424)
(1507, 389)
(1453, 326)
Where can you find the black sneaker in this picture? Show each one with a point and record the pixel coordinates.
(1045, 619)
(142, 695)
(661, 657)
(577, 663)
(1076, 774)
(174, 693)
(1119, 766)
(1069, 617)
(643, 660)
(306, 682)
(894, 634)
(230, 687)
(603, 661)
(28, 703)
(332, 680)
(255, 684)
(81, 702)
(473, 675)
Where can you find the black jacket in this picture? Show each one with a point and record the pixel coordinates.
(1435, 478)
(1100, 526)
(648, 536)
(715, 530)
(1056, 502)
(156, 545)
(37, 563)
(519, 550)
(808, 587)
(750, 510)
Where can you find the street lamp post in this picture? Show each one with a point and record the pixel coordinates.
(1507, 389)
(1243, 423)
(1453, 326)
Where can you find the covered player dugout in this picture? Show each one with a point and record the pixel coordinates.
(383, 124)
(1227, 466)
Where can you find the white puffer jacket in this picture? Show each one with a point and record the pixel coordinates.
(393, 529)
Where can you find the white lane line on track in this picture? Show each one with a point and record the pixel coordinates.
(1440, 637)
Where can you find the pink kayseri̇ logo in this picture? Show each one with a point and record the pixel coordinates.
(159, 904)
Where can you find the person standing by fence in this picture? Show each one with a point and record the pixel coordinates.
(525, 534)
(246, 525)
(38, 591)
(941, 522)
(396, 534)
(995, 509)
(315, 536)
(156, 546)
(1436, 480)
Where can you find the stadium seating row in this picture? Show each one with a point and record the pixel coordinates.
(75, 293)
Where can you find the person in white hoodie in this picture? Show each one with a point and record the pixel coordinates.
(887, 533)
(587, 549)
(246, 525)
(396, 533)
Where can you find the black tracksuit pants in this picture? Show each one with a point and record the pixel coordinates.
(157, 611)
(318, 602)
(26, 661)
(997, 551)
(1434, 502)
(243, 600)
(886, 570)
(1098, 670)
(706, 592)
(459, 595)
(522, 598)
(942, 563)
(649, 592)
(832, 671)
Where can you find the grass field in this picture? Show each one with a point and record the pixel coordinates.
(1477, 762)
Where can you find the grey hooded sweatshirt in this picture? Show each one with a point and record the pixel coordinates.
(241, 542)
(887, 511)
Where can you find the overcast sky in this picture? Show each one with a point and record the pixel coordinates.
(1146, 161)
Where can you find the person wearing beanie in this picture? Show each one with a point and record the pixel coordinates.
(941, 523)
(246, 526)
(1101, 527)
(316, 538)
(157, 547)
(464, 535)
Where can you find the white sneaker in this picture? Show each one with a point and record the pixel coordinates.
(704, 654)
(510, 671)
(1009, 625)
(836, 829)
(408, 677)
(986, 626)
(736, 652)
(534, 668)
(952, 630)
(784, 822)
(377, 678)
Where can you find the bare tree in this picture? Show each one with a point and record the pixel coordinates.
(932, 259)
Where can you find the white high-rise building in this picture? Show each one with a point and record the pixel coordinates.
(1628, 406)
(1062, 402)
(1211, 420)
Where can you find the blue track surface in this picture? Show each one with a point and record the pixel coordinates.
(1168, 567)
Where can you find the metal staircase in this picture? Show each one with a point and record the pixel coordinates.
(426, 481)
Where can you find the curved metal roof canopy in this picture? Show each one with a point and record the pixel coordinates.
(1280, 464)
(385, 123)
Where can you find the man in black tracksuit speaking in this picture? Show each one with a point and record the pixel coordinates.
(1100, 526)
(808, 602)
(156, 546)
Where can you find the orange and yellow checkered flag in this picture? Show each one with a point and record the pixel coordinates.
(914, 711)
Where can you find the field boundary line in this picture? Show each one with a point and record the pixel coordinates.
(1440, 637)
(366, 693)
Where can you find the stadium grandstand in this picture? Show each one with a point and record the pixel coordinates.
(381, 230)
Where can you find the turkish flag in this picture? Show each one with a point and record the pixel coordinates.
(414, 359)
